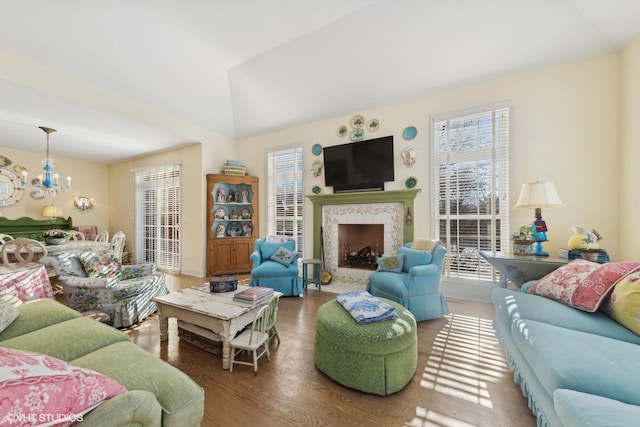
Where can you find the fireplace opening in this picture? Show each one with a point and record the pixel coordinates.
(361, 245)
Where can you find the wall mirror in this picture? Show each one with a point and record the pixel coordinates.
(11, 189)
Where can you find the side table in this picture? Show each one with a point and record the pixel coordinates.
(315, 279)
(519, 269)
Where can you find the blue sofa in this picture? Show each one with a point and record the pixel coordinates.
(417, 286)
(575, 368)
(272, 274)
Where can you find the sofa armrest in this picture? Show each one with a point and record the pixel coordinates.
(135, 407)
(138, 270)
(255, 258)
(86, 282)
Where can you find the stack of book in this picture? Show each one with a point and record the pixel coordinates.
(253, 295)
(571, 254)
(234, 167)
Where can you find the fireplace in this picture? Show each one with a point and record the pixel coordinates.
(362, 244)
(381, 208)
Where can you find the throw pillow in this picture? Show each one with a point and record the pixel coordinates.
(413, 258)
(40, 388)
(284, 256)
(624, 304)
(582, 284)
(8, 313)
(391, 263)
(425, 244)
(268, 249)
(101, 264)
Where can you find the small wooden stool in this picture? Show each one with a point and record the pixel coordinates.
(315, 279)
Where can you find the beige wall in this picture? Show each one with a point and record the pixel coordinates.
(564, 129)
(90, 179)
(197, 160)
(629, 183)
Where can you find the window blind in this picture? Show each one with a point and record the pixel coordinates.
(471, 182)
(285, 194)
(158, 216)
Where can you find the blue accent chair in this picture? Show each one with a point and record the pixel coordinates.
(272, 274)
(417, 286)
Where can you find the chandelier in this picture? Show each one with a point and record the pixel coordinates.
(48, 184)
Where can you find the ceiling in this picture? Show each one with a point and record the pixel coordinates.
(119, 79)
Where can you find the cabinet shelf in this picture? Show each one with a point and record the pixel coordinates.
(232, 223)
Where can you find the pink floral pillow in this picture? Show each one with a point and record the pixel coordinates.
(583, 284)
(43, 390)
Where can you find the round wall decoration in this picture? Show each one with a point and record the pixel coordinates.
(357, 134)
(409, 133)
(316, 149)
(316, 189)
(373, 125)
(357, 121)
(11, 189)
(342, 131)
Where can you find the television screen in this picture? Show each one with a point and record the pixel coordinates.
(359, 166)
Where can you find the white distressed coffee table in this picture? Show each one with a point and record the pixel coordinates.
(217, 312)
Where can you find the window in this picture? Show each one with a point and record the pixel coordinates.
(471, 152)
(158, 216)
(284, 194)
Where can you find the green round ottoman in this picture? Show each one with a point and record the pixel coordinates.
(378, 357)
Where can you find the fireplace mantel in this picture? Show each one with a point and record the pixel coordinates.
(405, 197)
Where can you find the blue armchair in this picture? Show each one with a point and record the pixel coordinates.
(274, 265)
(413, 280)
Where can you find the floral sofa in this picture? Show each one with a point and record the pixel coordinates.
(572, 341)
(97, 281)
(57, 365)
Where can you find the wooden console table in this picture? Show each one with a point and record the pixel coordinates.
(519, 269)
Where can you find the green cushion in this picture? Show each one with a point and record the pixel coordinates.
(36, 315)
(181, 399)
(379, 357)
(68, 340)
(135, 407)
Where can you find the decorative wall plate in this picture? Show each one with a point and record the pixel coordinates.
(317, 149)
(342, 131)
(357, 134)
(219, 230)
(220, 213)
(233, 230)
(373, 125)
(4, 161)
(409, 133)
(19, 169)
(357, 121)
(411, 182)
(316, 189)
(247, 230)
(37, 195)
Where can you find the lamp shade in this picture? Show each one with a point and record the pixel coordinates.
(539, 195)
(52, 211)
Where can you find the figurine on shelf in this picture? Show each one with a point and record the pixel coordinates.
(245, 196)
(220, 230)
(222, 196)
(246, 230)
(539, 228)
(234, 214)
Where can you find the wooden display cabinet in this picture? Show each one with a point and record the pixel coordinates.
(232, 223)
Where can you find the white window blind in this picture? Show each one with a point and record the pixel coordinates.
(158, 216)
(284, 194)
(472, 187)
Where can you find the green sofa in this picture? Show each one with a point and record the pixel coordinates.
(157, 393)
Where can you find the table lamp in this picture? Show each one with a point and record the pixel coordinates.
(52, 212)
(538, 195)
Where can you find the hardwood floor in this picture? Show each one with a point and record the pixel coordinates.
(461, 380)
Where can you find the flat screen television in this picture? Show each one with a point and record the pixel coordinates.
(359, 166)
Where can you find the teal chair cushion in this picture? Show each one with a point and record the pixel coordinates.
(413, 258)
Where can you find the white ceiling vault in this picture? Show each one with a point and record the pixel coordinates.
(122, 78)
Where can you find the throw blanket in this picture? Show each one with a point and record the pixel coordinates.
(364, 307)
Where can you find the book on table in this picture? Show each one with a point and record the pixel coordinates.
(253, 295)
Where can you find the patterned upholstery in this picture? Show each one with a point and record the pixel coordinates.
(90, 231)
(128, 300)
